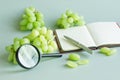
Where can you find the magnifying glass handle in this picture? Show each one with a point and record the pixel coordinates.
(52, 55)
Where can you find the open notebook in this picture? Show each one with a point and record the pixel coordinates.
(92, 35)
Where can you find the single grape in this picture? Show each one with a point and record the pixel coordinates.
(107, 51)
(68, 12)
(14, 59)
(53, 44)
(39, 15)
(24, 41)
(42, 38)
(70, 20)
(35, 33)
(44, 48)
(37, 42)
(43, 30)
(113, 51)
(24, 22)
(8, 48)
(50, 49)
(24, 16)
(29, 26)
(32, 8)
(74, 57)
(71, 64)
(16, 44)
(29, 12)
(23, 28)
(11, 55)
(32, 19)
(64, 16)
(36, 24)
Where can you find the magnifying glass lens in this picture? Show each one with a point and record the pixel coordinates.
(28, 56)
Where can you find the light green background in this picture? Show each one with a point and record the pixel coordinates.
(100, 66)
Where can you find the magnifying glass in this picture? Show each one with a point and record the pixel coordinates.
(28, 56)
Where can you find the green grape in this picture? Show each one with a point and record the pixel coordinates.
(113, 51)
(29, 12)
(49, 35)
(24, 22)
(82, 62)
(59, 22)
(79, 23)
(23, 28)
(29, 26)
(32, 8)
(70, 20)
(11, 55)
(36, 24)
(68, 12)
(65, 24)
(42, 38)
(42, 23)
(107, 51)
(8, 48)
(35, 33)
(44, 48)
(50, 32)
(16, 39)
(53, 44)
(32, 35)
(14, 59)
(39, 15)
(40, 50)
(43, 43)
(76, 17)
(24, 16)
(32, 19)
(50, 49)
(24, 41)
(16, 44)
(37, 42)
(74, 57)
(71, 64)
(43, 30)
(64, 16)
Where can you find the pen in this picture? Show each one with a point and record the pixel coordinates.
(76, 43)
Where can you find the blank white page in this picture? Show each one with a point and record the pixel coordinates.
(104, 33)
(79, 34)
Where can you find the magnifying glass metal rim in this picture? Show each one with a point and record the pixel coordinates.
(18, 60)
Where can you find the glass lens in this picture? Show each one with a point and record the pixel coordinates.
(28, 56)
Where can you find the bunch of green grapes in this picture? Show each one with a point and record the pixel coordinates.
(31, 19)
(42, 38)
(70, 19)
